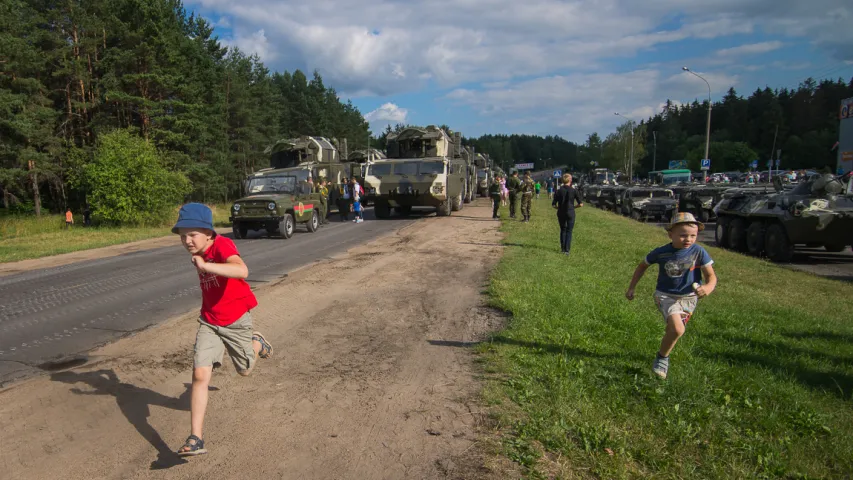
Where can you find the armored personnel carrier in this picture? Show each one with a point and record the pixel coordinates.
(813, 213)
(421, 171)
(282, 196)
(642, 203)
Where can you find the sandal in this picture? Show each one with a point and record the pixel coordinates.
(196, 448)
(266, 348)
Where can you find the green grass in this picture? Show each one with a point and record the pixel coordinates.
(25, 237)
(759, 386)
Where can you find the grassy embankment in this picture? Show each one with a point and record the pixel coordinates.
(759, 386)
(23, 237)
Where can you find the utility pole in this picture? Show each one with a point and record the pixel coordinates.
(708, 126)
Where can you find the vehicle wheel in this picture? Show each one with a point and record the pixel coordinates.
(445, 208)
(468, 197)
(456, 204)
(834, 248)
(636, 215)
(755, 238)
(777, 245)
(737, 235)
(314, 223)
(285, 227)
(239, 231)
(382, 209)
(721, 233)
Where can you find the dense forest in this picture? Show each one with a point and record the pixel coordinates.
(71, 72)
(801, 122)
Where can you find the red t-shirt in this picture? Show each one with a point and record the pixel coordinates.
(223, 300)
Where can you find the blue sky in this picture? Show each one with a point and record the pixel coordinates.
(543, 67)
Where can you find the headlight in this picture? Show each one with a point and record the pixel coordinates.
(271, 206)
(236, 207)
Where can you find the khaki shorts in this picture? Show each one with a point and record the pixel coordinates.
(669, 305)
(212, 341)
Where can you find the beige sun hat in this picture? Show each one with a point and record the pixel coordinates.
(684, 217)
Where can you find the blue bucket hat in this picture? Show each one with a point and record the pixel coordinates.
(194, 215)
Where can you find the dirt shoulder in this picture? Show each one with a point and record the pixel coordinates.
(11, 268)
(370, 378)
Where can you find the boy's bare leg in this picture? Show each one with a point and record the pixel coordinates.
(198, 399)
(674, 331)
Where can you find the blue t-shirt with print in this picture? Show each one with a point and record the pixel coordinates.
(679, 268)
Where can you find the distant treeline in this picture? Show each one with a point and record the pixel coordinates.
(75, 70)
(801, 122)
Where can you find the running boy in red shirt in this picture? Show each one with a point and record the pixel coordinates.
(225, 322)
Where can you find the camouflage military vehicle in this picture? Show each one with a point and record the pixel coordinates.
(421, 171)
(641, 203)
(818, 212)
(699, 199)
(484, 179)
(283, 195)
(611, 198)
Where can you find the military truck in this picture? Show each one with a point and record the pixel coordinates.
(642, 203)
(279, 197)
(277, 201)
(421, 171)
(818, 212)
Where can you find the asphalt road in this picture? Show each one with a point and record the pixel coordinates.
(837, 266)
(48, 316)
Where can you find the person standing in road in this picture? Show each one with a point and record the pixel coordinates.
(513, 185)
(323, 190)
(564, 201)
(344, 200)
(225, 320)
(527, 189)
(495, 195)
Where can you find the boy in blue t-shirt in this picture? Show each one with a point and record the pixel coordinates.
(679, 283)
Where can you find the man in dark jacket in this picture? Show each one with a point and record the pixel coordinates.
(564, 202)
(513, 184)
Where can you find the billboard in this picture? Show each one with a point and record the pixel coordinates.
(524, 166)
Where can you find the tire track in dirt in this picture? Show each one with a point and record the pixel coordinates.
(368, 380)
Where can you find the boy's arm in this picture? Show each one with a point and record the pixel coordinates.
(710, 281)
(638, 274)
(234, 267)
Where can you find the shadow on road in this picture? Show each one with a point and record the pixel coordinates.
(134, 404)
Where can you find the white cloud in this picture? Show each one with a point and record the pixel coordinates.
(387, 114)
(255, 42)
(222, 22)
(750, 49)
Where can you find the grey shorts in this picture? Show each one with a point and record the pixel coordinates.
(669, 305)
(212, 341)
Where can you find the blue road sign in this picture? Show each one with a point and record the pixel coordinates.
(754, 164)
(558, 173)
(778, 161)
(706, 164)
(770, 163)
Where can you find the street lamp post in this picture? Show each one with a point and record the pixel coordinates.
(708, 126)
(630, 165)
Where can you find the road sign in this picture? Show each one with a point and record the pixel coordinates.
(770, 163)
(558, 173)
(706, 164)
(524, 166)
(754, 164)
(778, 161)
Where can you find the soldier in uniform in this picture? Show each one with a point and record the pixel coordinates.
(495, 195)
(527, 189)
(323, 190)
(513, 185)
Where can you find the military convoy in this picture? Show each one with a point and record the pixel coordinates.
(643, 203)
(282, 196)
(425, 168)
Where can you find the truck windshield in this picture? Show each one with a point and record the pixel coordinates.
(272, 184)
(406, 168)
(379, 169)
(431, 168)
(660, 194)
